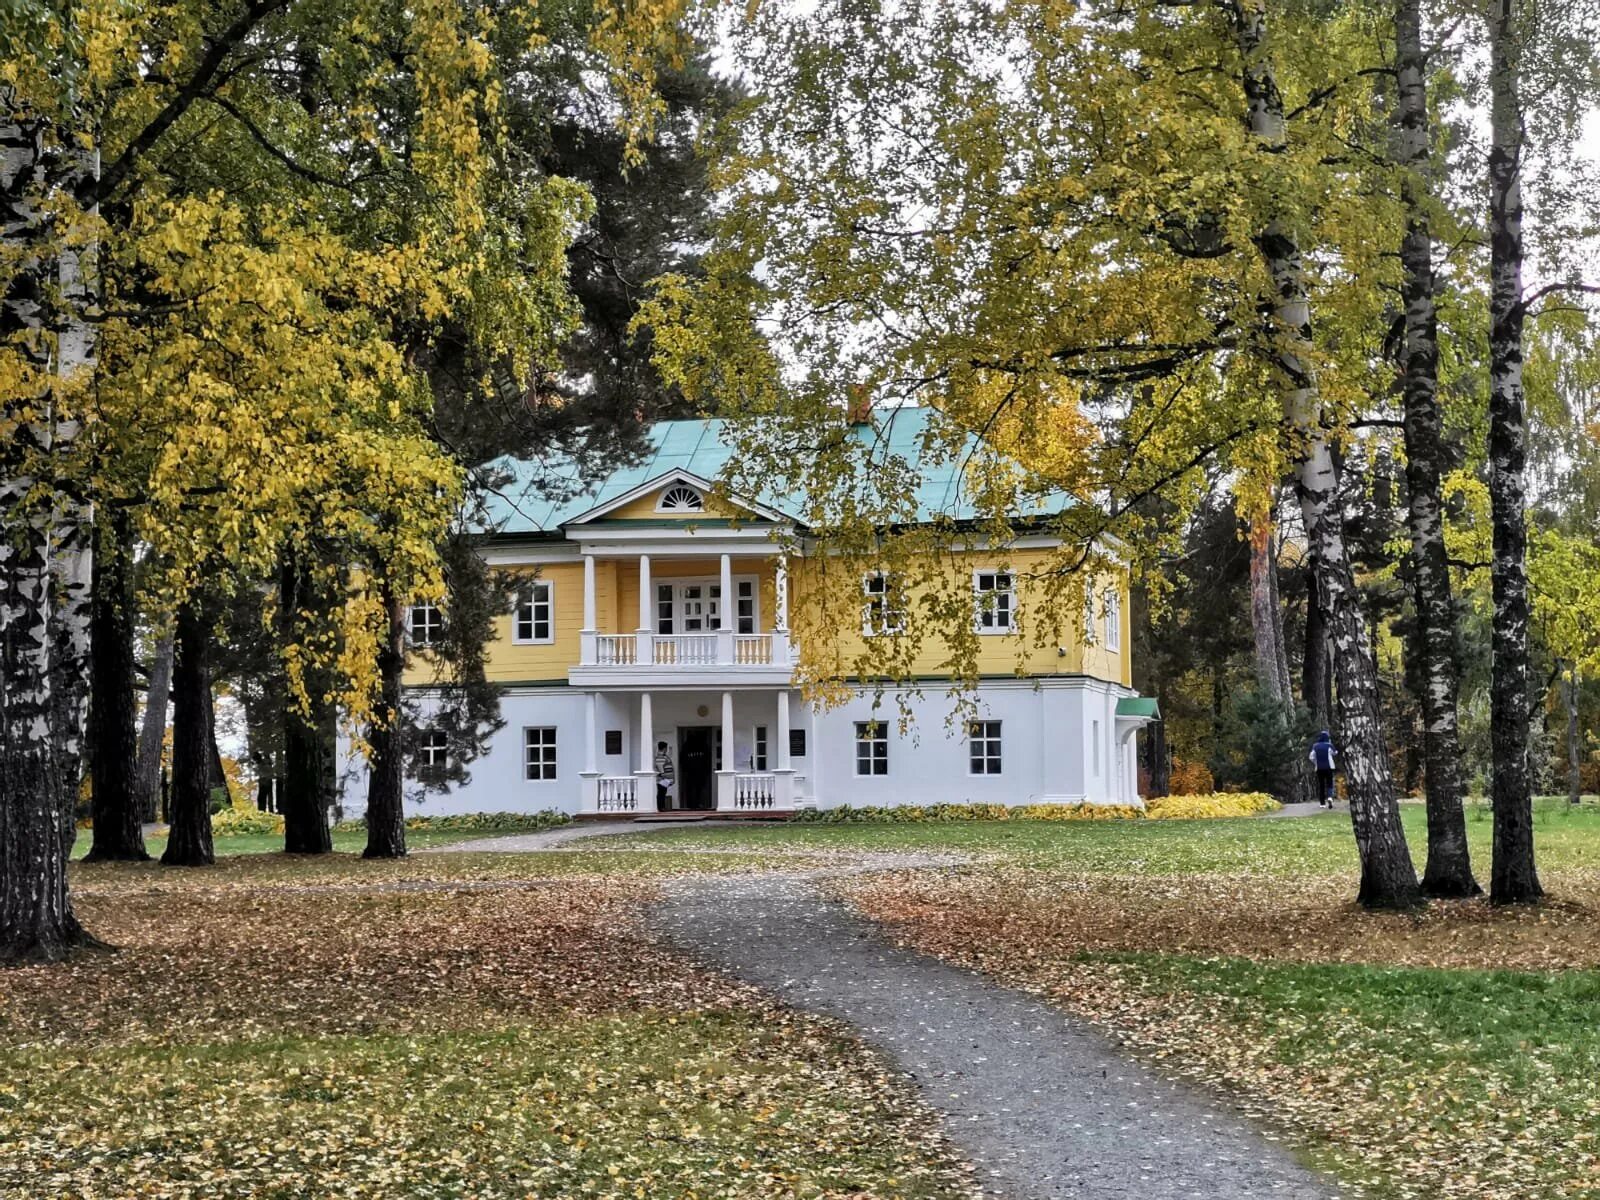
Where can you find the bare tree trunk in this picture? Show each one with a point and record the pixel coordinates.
(1574, 738)
(153, 732)
(1449, 869)
(1266, 623)
(1388, 878)
(386, 821)
(1513, 878)
(118, 832)
(189, 843)
(1316, 681)
(305, 815)
(44, 554)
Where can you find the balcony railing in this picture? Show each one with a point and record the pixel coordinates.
(617, 793)
(721, 649)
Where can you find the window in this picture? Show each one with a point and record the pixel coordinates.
(797, 743)
(664, 609)
(872, 748)
(1088, 619)
(758, 757)
(535, 615)
(680, 497)
(1113, 611)
(433, 749)
(994, 601)
(983, 747)
(745, 606)
(426, 625)
(613, 741)
(539, 752)
(883, 612)
(699, 606)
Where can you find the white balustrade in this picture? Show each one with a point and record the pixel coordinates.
(617, 793)
(616, 649)
(754, 791)
(686, 649)
(753, 649)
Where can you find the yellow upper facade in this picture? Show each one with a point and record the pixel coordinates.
(735, 590)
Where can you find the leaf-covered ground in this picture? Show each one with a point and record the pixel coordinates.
(452, 1026)
(1451, 1054)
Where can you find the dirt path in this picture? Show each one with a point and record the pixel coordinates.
(1040, 1103)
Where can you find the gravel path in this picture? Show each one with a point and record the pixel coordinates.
(1040, 1103)
(549, 839)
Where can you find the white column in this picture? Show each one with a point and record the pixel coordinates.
(783, 729)
(644, 645)
(783, 777)
(645, 776)
(646, 599)
(725, 614)
(780, 588)
(725, 775)
(589, 624)
(590, 753)
(589, 777)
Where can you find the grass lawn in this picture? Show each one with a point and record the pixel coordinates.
(455, 1025)
(347, 840)
(1451, 1053)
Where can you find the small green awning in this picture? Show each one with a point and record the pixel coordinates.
(1138, 706)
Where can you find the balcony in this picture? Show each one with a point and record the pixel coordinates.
(620, 658)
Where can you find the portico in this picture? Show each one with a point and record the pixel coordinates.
(728, 751)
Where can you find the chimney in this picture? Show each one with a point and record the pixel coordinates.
(860, 410)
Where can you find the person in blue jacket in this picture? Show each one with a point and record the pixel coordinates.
(1322, 759)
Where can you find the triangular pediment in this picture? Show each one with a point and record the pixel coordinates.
(675, 495)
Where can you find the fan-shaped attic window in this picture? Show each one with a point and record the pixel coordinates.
(681, 498)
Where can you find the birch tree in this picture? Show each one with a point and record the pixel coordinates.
(1449, 869)
(1092, 236)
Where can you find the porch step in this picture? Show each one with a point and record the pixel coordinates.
(766, 814)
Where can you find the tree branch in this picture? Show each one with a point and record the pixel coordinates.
(98, 190)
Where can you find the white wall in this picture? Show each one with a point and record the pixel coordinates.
(1048, 752)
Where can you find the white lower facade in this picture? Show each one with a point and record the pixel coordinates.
(595, 751)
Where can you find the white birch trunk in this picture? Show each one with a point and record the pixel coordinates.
(1513, 878)
(1388, 878)
(1449, 869)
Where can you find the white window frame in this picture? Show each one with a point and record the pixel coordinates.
(699, 505)
(433, 747)
(1111, 603)
(1089, 635)
(669, 611)
(437, 625)
(995, 574)
(873, 737)
(527, 608)
(760, 748)
(546, 762)
(985, 746)
(879, 616)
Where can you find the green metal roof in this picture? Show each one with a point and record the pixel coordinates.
(1138, 706)
(702, 448)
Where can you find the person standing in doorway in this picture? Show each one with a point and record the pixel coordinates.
(664, 776)
(1322, 760)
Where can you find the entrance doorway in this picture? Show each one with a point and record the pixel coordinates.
(698, 752)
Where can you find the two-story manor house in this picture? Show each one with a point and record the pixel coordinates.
(647, 665)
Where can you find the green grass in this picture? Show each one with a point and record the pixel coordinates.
(1453, 1082)
(1319, 844)
(708, 1104)
(347, 840)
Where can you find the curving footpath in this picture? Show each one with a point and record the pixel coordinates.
(1040, 1103)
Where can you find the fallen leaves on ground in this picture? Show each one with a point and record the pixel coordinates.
(438, 1028)
(1454, 1053)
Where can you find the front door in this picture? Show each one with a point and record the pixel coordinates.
(697, 764)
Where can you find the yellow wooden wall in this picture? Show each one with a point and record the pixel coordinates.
(617, 611)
